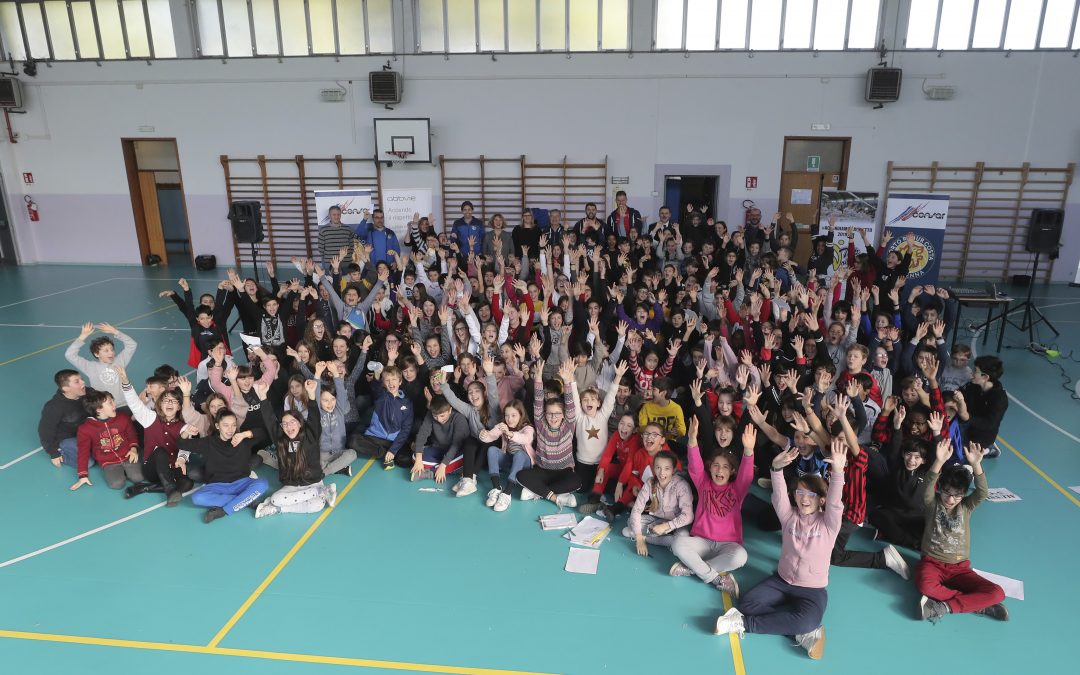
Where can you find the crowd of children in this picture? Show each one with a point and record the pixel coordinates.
(584, 364)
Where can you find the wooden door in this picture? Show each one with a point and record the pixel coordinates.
(155, 234)
(796, 186)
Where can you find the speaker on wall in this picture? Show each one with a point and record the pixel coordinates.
(246, 219)
(1044, 231)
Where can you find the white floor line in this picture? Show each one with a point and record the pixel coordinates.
(66, 290)
(1041, 418)
(19, 459)
(86, 534)
(50, 325)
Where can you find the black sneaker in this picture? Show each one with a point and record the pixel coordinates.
(174, 498)
(347, 471)
(213, 514)
(607, 513)
(998, 611)
(993, 452)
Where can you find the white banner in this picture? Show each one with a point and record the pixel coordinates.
(400, 205)
(852, 210)
(352, 203)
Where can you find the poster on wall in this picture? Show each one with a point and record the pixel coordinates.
(852, 209)
(924, 216)
(353, 203)
(400, 205)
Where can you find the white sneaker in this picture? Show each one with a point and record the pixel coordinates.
(465, 487)
(730, 622)
(457, 486)
(764, 483)
(528, 495)
(503, 501)
(813, 642)
(680, 570)
(330, 495)
(896, 562)
(265, 509)
(568, 500)
(492, 497)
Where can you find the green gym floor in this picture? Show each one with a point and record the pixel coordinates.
(394, 579)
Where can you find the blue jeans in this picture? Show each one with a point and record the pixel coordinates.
(230, 496)
(775, 607)
(499, 461)
(69, 453)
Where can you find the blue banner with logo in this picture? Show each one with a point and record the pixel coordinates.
(924, 216)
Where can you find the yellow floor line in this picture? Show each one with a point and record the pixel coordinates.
(736, 642)
(285, 561)
(257, 654)
(67, 342)
(1072, 498)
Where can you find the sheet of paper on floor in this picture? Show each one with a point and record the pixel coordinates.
(558, 521)
(1002, 495)
(582, 560)
(1014, 588)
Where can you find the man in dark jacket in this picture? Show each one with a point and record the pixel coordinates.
(61, 417)
(623, 218)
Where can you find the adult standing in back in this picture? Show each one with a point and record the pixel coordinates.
(467, 227)
(382, 241)
(335, 236)
(623, 218)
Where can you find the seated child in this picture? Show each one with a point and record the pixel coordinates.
(110, 437)
(515, 452)
(944, 577)
(298, 459)
(438, 443)
(553, 478)
(899, 516)
(636, 471)
(227, 457)
(792, 601)
(664, 412)
(391, 421)
(99, 372)
(591, 433)
(663, 508)
(714, 547)
(623, 443)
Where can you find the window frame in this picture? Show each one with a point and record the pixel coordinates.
(1000, 48)
(7, 54)
(565, 49)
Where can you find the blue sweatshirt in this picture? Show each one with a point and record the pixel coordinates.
(393, 417)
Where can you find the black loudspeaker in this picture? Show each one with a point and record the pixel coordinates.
(246, 219)
(205, 263)
(1044, 230)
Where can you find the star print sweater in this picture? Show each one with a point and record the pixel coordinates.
(718, 515)
(591, 431)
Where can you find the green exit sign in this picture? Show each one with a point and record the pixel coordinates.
(813, 163)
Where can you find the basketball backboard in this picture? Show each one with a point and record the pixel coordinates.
(397, 135)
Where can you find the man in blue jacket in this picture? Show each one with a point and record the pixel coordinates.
(466, 226)
(382, 240)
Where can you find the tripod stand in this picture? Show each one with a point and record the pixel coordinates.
(1029, 320)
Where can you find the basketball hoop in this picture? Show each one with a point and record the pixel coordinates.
(396, 158)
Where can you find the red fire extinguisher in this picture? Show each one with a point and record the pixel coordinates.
(32, 209)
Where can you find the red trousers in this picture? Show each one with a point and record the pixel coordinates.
(956, 585)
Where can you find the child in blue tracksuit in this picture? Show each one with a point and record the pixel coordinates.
(229, 486)
(391, 422)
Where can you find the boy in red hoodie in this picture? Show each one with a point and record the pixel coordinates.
(111, 438)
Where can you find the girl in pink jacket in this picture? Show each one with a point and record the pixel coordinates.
(713, 548)
(792, 601)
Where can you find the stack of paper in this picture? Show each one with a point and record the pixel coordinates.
(1002, 495)
(558, 521)
(582, 560)
(590, 532)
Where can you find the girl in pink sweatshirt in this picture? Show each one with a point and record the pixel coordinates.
(714, 546)
(792, 601)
